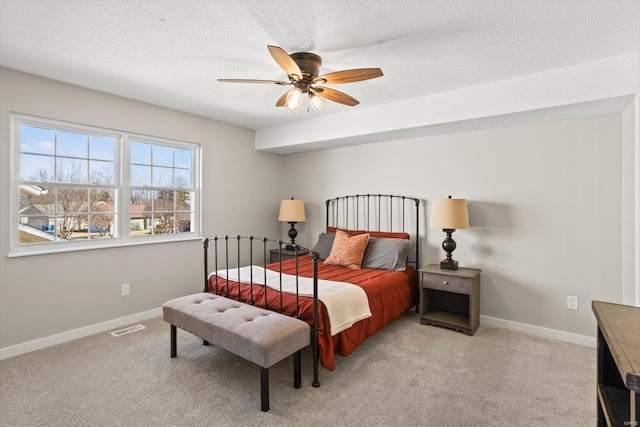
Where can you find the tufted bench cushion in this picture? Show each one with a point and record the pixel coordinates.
(255, 334)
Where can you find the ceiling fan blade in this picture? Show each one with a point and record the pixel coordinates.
(282, 100)
(285, 61)
(335, 96)
(348, 76)
(277, 82)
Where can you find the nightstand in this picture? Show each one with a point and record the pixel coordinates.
(450, 298)
(276, 255)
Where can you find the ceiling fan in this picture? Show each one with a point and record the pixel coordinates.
(303, 69)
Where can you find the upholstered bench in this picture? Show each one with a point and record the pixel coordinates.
(255, 334)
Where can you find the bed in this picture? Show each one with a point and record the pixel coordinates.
(390, 290)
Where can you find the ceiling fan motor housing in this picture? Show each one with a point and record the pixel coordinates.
(309, 64)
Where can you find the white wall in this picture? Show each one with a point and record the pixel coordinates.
(630, 261)
(52, 294)
(545, 204)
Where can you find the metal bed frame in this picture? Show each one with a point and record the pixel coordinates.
(280, 245)
(361, 210)
(337, 209)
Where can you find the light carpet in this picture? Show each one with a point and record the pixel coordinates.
(406, 375)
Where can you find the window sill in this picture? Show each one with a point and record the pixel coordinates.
(22, 253)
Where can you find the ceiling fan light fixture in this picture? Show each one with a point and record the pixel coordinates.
(294, 99)
(316, 102)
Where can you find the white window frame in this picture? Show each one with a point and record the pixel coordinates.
(122, 185)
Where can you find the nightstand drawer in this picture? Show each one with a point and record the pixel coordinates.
(458, 285)
(283, 255)
(275, 257)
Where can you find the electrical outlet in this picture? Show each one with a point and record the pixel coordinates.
(125, 289)
(572, 303)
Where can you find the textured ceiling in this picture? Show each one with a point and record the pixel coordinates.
(170, 53)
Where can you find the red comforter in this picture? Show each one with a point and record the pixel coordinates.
(390, 294)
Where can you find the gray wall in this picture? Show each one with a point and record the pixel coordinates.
(49, 294)
(544, 200)
(546, 206)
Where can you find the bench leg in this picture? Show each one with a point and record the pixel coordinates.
(264, 389)
(174, 346)
(297, 369)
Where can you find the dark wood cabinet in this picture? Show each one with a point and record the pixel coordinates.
(618, 364)
(450, 298)
(278, 255)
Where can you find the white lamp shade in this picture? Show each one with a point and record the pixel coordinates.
(293, 100)
(291, 211)
(449, 214)
(316, 102)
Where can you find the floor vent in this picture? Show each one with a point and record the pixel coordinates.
(128, 330)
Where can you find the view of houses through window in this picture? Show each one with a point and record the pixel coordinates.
(89, 184)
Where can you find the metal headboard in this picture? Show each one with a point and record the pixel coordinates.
(373, 212)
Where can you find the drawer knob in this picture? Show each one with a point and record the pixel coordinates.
(444, 282)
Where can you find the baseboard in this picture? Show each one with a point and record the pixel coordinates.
(41, 343)
(540, 331)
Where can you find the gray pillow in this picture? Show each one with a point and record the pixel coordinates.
(386, 253)
(324, 245)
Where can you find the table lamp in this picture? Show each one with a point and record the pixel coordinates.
(449, 214)
(292, 211)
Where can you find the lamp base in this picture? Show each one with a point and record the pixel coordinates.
(292, 235)
(448, 264)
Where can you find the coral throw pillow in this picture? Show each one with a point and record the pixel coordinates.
(348, 251)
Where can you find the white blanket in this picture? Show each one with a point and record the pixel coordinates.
(346, 303)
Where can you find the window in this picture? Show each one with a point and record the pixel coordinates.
(161, 188)
(79, 187)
